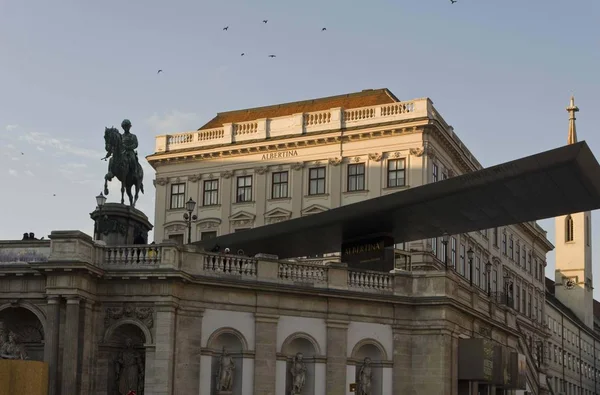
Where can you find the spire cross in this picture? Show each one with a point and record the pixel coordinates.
(572, 109)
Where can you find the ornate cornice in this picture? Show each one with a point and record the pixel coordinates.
(335, 161)
(417, 151)
(377, 156)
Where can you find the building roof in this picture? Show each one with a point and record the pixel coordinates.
(365, 98)
(549, 184)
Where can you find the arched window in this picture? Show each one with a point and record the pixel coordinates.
(588, 231)
(569, 228)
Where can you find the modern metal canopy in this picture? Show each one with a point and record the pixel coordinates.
(549, 184)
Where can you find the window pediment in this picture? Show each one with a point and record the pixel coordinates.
(314, 209)
(277, 215)
(208, 223)
(242, 218)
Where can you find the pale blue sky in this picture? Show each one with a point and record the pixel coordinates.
(501, 72)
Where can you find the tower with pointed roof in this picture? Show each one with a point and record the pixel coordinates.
(573, 274)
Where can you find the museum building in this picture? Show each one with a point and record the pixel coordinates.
(459, 311)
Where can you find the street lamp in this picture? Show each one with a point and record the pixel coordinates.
(445, 239)
(470, 256)
(488, 270)
(189, 206)
(100, 200)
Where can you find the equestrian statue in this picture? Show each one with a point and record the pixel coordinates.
(123, 163)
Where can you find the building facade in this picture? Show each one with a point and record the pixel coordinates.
(258, 166)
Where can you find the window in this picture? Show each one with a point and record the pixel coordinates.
(208, 235)
(588, 231)
(434, 243)
(244, 189)
(453, 252)
(529, 304)
(523, 300)
(518, 252)
(279, 185)
(443, 253)
(211, 193)
(477, 276)
(568, 228)
(396, 170)
(435, 173)
(522, 264)
(178, 238)
(178, 195)
(494, 280)
(495, 237)
(461, 261)
(356, 177)
(504, 243)
(518, 299)
(316, 181)
(511, 249)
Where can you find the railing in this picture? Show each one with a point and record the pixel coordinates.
(370, 280)
(133, 255)
(302, 272)
(289, 126)
(503, 298)
(229, 264)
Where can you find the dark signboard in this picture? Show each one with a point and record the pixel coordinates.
(369, 253)
(518, 367)
(476, 360)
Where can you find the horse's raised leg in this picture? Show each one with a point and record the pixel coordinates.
(131, 202)
(137, 193)
(122, 193)
(106, 180)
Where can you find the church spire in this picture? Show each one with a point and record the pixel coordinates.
(572, 109)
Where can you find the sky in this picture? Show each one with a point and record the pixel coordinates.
(500, 72)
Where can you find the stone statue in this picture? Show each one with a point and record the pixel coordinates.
(9, 348)
(129, 370)
(365, 377)
(123, 163)
(298, 371)
(225, 374)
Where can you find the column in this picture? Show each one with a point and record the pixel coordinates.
(188, 345)
(320, 378)
(164, 354)
(51, 342)
(337, 340)
(261, 196)
(386, 378)
(281, 375)
(297, 191)
(335, 185)
(88, 347)
(248, 376)
(70, 368)
(265, 353)
(351, 378)
(205, 374)
(402, 358)
(225, 200)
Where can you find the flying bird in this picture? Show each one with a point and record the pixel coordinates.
(22, 153)
(159, 71)
(54, 194)
(323, 29)
(242, 54)
(453, 1)
(271, 56)
(226, 28)
(265, 20)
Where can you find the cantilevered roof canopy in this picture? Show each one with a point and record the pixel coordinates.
(552, 183)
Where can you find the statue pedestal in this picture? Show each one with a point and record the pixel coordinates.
(23, 377)
(224, 392)
(119, 224)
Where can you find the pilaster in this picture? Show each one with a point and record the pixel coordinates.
(164, 355)
(51, 344)
(71, 373)
(265, 358)
(88, 347)
(337, 340)
(188, 345)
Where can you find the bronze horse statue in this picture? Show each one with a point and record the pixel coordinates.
(123, 164)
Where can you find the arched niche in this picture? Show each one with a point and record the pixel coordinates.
(112, 349)
(372, 349)
(306, 345)
(235, 344)
(27, 325)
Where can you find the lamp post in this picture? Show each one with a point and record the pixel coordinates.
(445, 239)
(189, 217)
(488, 270)
(470, 256)
(100, 200)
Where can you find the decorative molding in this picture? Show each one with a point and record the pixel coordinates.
(277, 215)
(261, 170)
(429, 151)
(209, 223)
(376, 156)
(451, 173)
(317, 163)
(418, 152)
(297, 166)
(242, 218)
(211, 176)
(143, 314)
(279, 167)
(396, 154)
(356, 159)
(227, 174)
(244, 172)
(161, 181)
(195, 177)
(173, 228)
(314, 209)
(335, 161)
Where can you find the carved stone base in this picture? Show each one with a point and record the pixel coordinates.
(119, 224)
(224, 392)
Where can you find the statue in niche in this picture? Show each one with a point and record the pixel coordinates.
(129, 370)
(9, 348)
(225, 374)
(298, 371)
(365, 377)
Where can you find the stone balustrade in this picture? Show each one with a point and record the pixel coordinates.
(297, 124)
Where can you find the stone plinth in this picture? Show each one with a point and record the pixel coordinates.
(23, 377)
(119, 224)
(224, 392)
